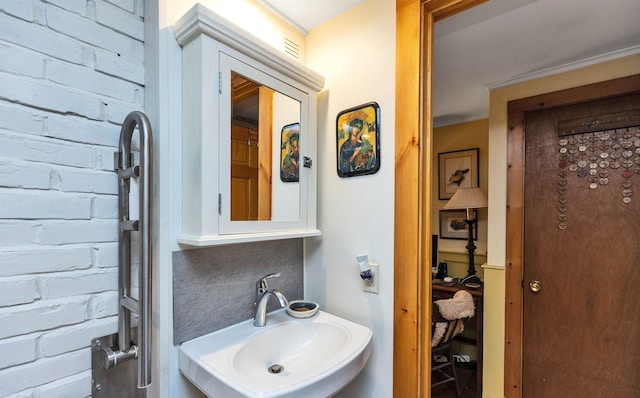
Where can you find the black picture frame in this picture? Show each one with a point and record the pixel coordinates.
(457, 169)
(453, 226)
(290, 153)
(358, 154)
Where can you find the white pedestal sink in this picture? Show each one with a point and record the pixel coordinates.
(288, 357)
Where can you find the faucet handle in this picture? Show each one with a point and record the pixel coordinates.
(262, 286)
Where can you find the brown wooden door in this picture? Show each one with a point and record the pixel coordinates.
(581, 329)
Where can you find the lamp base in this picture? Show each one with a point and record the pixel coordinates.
(471, 272)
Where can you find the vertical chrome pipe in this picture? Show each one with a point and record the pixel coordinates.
(141, 306)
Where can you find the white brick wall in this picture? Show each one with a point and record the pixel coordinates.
(70, 71)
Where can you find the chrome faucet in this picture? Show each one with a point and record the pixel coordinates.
(262, 298)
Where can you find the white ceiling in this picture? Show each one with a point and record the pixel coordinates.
(504, 41)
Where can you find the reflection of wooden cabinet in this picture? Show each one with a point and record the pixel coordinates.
(445, 292)
(244, 173)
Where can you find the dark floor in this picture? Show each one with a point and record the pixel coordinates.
(467, 382)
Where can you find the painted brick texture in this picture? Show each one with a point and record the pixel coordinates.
(70, 71)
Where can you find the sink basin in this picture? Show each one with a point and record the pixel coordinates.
(289, 357)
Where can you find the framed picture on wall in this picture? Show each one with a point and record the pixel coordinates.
(358, 140)
(290, 153)
(452, 225)
(457, 169)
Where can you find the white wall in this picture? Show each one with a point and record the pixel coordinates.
(356, 215)
(70, 72)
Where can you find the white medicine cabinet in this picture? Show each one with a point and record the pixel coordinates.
(249, 136)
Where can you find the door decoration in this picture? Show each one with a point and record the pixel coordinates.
(598, 150)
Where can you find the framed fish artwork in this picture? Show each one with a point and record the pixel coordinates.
(457, 169)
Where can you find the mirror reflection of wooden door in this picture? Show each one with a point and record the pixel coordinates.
(581, 298)
(244, 173)
(251, 150)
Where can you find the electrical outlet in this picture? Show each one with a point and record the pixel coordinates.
(371, 284)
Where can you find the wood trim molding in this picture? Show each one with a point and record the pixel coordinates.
(413, 129)
(515, 209)
(514, 252)
(406, 350)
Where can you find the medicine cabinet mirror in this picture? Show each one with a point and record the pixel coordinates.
(259, 148)
(249, 124)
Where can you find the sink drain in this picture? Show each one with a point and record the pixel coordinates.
(275, 369)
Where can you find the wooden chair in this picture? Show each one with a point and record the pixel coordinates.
(443, 329)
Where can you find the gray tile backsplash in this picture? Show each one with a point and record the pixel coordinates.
(215, 287)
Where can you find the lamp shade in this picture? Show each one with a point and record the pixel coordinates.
(467, 198)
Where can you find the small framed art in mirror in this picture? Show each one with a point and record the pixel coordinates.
(290, 153)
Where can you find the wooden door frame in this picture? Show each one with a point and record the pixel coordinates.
(515, 210)
(413, 159)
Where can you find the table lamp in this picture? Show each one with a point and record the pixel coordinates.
(468, 198)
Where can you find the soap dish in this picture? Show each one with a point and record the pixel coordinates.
(302, 308)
